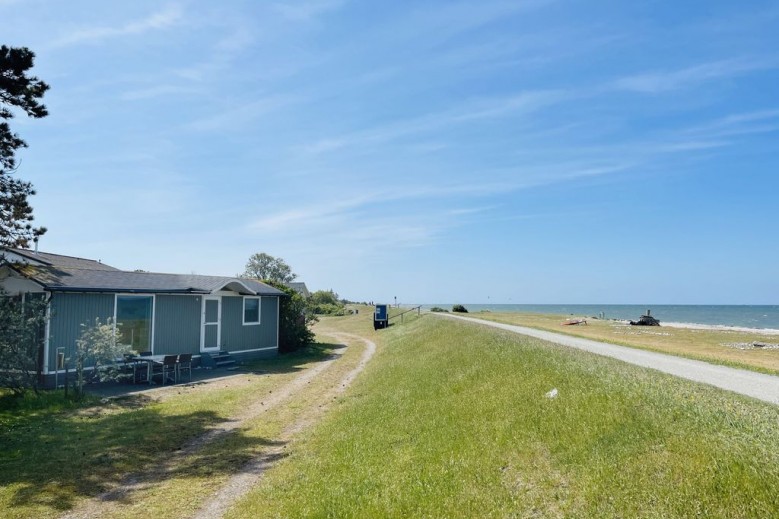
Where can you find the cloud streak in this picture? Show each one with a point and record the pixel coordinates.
(239, 115)
(307, 11)
(666, 81)
(141, 94)
(157, 21)
(746, 123)
(522, 103)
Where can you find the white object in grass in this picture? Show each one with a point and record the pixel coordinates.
(552, 393)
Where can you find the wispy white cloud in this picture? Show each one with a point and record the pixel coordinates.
(307, 10)
(434, 206)
(582, 171)
(327, 144)
(284, 221)
(746, 123)
(665, 81)
(530, 50)
(358, 233)
(522, 103)
(239, 114)
(519, 104)
(469, 210)
(435, 24)
(428, 147)
(687, 146)
(163, 19)
(531, 101)
(221, 54)
(739, 21)
(157, 91)
(313, 213)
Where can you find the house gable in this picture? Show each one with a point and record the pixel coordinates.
(13, 283)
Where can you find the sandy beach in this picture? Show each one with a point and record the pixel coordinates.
(719, 328)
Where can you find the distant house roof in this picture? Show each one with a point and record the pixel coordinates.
(300, 288)
(66, 274)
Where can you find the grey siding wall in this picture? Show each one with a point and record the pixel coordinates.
(177, 324)
(237, 337)
(68, 312)
(270, 322)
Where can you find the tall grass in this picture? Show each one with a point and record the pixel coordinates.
(451, 420)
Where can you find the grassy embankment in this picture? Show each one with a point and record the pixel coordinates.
(706, 345)
(451, 420)
(57, 454)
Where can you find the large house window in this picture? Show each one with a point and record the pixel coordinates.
(134, 321)
(251, 310)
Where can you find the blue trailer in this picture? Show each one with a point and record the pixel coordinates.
(381, 317)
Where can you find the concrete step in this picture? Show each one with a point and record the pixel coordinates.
(221, 359)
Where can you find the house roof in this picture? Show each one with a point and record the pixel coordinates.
(67, 274)
(300, 288)
(47, 258)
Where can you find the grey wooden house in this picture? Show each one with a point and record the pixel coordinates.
(158, 313)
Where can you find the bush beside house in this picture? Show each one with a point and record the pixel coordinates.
(294, 319)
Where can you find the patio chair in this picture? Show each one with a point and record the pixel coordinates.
(185, 364)
(129, 368)
(166, 368)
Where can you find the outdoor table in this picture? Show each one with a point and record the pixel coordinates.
(150, 360)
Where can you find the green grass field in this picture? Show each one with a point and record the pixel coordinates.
(451, 420)
(56, 453)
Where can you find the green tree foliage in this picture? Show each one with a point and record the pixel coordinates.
(294, 320)
(325, 302)
(22, 326)
(459, 308)
(97, 345)
(17, 90)
(325, 297)
(268, 268)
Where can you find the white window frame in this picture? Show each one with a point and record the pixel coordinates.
(259, 311)
(153, 311)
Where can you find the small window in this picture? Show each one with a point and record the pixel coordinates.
(251, 310)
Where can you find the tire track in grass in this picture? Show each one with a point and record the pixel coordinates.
(251, 473)
(136, 482)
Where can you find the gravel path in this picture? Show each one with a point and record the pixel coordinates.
(250, 474)
(749, 383)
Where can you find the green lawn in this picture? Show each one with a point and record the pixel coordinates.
(451, 420)
(448, 420)
(56, 453)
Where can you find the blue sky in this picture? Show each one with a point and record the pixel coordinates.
(473, 152)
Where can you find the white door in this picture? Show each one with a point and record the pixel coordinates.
(210, 332)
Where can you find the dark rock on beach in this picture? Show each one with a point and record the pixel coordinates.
(646, 320)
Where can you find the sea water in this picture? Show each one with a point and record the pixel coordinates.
(741, 316)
